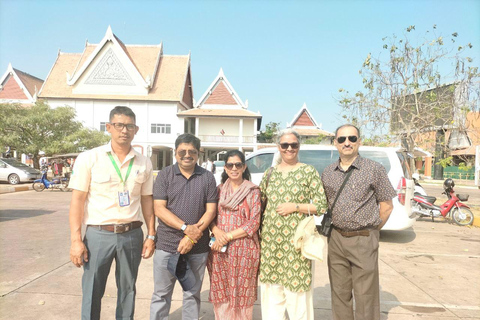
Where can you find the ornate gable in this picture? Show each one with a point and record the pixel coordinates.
(18, 87)
(107, 68)
(303, 119)
(221, 95)
(110, 71)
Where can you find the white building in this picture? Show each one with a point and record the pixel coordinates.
(222, 120)
(158, 88)
(155, 86)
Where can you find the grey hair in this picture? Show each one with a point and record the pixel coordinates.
(285, 132)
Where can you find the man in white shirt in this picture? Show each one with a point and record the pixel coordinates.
(110, 185)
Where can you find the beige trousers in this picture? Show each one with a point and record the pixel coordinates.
(353, 273)
(277, 301)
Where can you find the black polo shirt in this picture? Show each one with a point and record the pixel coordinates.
(187, 199)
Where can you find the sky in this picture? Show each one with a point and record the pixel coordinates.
(277, 54)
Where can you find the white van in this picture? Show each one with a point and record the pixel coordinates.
(393, 159)
(14, 171)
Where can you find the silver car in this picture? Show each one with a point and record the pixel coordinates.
(14, 171)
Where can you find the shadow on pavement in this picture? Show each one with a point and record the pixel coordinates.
(402, 236)
(6, 215)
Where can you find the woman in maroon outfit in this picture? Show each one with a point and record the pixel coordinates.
(233, 273)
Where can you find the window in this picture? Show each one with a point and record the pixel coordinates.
(103, 126)
(161, 128)
(260, 163)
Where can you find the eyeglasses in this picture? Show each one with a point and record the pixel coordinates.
(237, 165)
(183, 153)
(285, 145)
(119, 126)
(350, 138)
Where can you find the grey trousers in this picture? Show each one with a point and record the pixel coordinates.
(353, 265)
(164, 283)
(103, 247)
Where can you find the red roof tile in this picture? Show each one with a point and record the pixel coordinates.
(221, 95)
(12, 90)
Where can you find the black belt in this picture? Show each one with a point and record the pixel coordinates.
(118, 228)
(355, 233)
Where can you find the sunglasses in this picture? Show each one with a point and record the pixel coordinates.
(183, 153)
(350, 138)
(119, 126)
(285, 145)
(237, 165)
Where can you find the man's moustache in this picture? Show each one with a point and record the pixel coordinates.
(187, 158)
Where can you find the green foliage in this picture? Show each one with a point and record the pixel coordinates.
(268, 136)
(377, 141)
(38, 128)
(464, 167)
(316, 140)
(445, 162)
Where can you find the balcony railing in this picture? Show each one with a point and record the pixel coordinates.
(227, 139)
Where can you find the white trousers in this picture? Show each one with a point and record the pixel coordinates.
(276, 299)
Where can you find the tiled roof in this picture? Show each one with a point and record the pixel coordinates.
(201, 112)
(168, 82)
(304, 120)
(312, 132)
(221, 95)
(11, 90)
(30, 82)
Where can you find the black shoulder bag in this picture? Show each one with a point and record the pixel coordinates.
(325, 228)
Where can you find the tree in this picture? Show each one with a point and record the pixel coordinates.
(423, 86)
(38, 128)
(271, 129)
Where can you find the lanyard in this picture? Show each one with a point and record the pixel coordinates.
(118, 170)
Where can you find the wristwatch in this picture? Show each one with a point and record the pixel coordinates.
(151, 237)
(297, 207)
(184, 227)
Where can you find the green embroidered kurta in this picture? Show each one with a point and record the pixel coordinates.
(280, 263)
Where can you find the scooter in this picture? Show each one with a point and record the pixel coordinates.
(424, 206)
(57, 183)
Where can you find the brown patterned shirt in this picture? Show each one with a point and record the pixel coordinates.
(357, 206)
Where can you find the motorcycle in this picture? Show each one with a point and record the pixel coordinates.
(43, 183)
(460, 213)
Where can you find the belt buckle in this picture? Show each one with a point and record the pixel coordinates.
(119, 228)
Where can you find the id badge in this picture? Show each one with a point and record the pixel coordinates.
(123, 198)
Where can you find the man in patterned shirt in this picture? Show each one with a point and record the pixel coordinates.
(185, 202)
(361, 210)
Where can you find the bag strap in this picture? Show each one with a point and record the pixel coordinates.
(270, 170)
(341, 188)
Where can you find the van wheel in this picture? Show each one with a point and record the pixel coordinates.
(13, 179)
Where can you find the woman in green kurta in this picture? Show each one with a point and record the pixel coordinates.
(294, 191)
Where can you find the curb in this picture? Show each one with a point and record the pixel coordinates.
(476, 222)
(10, 189)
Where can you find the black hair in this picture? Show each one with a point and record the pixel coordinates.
(347, 125)
(126, 111)
(233, 153)
(188, 138)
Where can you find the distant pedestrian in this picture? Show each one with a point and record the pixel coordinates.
(209, 165)
(233, 271)
(185, 199)
(112, 186)
(362, 209)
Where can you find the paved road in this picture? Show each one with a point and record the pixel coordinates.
(428, 272)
